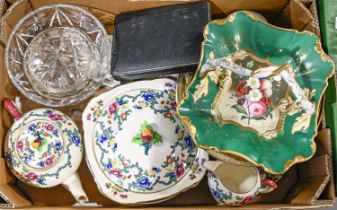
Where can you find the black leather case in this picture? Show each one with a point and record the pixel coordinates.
(158, 41)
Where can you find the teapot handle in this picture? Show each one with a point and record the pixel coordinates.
(12, 109)
(267, 185)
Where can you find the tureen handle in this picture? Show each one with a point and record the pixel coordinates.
(73, 184)
(12, 109)
(212, 165)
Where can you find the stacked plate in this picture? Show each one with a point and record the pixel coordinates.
(136, 148)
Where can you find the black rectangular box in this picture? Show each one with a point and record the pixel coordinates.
(159, 41)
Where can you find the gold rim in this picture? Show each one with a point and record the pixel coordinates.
(192, 129)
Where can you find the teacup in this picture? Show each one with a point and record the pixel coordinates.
(235, 185)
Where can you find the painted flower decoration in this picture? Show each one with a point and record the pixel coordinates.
(257, 109)
(112, 108)
(49, 161)
(253, 83)
(116, 173)
(37, 143)
(58, 146)
(255, 95)
(216, 194)
(31, 176)
(49, 127)
(103, 138)
(147, 137)
(55, 117)
(148, 96)
(19, 145)
(247, 199)
(188, 140)
(174, 105)
(75, 139)
(32, 127)
(56, 133)
(144, 182)
(242, 89)
(180, 170)
(253, 99)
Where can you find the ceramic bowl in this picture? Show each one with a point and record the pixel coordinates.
(44, 149)
(257, 92)
(136, 148)
(58, 55)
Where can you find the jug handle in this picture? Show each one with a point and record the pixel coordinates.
(267, 185)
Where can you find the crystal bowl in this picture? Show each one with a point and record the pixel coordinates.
(58, 55)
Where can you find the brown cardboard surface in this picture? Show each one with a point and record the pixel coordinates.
(302, 184)
(3, 7)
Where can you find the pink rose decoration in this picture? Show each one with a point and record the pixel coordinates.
(49, 161)
(174, 105)
(31, 176)
(112, 108)
(180, 170)
(19, 145)
(116, 173)
(55, 117)
(49, 127)
(247, 199)
(257, 109)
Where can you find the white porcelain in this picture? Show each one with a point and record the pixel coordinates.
(136, 148)
(235, 185)
(44, 149)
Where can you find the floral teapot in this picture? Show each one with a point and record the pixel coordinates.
(44, 149)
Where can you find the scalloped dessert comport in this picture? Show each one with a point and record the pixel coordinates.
(256, 93)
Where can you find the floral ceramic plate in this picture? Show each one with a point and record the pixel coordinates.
(257, 91)
(136, 148)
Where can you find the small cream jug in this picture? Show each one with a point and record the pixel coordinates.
(235, 185)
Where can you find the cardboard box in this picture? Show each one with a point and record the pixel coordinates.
(304, 186)
(329, 34)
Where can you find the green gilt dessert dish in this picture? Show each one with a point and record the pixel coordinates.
(257, 92)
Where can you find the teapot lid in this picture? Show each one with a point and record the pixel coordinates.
(44, 147)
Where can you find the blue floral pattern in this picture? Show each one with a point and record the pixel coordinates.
(126, 172)
(40, 146)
